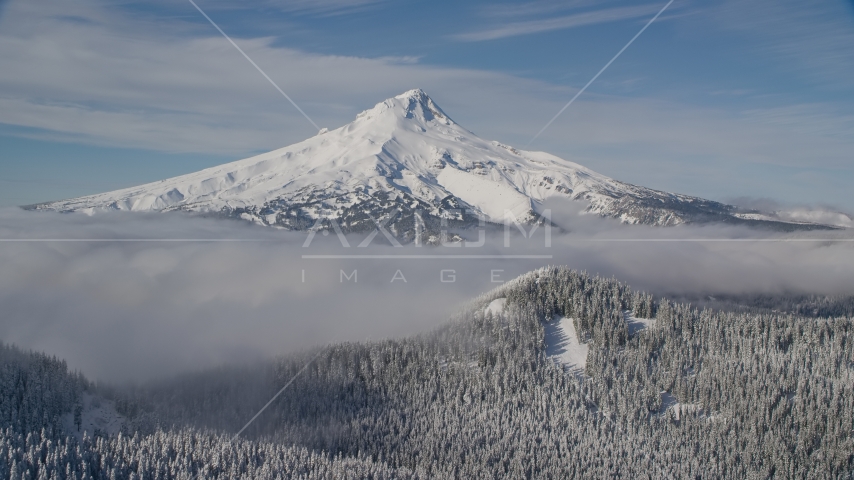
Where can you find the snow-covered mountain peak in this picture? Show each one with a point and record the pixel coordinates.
(410, 110)
(402, 158)
(416, 101)
(416, 94)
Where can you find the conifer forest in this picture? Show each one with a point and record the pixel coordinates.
(668, 390)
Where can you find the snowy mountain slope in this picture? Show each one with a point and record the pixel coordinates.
(403, 156)
(563, 344)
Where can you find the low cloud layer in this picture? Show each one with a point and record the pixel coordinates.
(824, 214)
(131, 310)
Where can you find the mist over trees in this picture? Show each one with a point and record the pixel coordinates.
(700, 393)
(815, 306)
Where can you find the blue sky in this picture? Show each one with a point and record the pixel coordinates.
(720, 99)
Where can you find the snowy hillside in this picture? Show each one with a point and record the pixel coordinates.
(403, 156)
(540, 378)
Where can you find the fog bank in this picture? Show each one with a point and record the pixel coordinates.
(201, 292)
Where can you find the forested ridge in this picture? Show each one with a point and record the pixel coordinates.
(700, 394)
(815, 306)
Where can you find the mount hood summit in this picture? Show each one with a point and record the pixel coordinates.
(400, 160)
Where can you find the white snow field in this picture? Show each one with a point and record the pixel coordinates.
(98, 415)
(637, 324)
(669, 403)
(563, 345)
(495, 307)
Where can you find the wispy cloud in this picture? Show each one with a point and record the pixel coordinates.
(533, 8)
(811, 39)
(112, 82)
(320, 8)
(558, 23)
(324, 7)
(814, 119)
